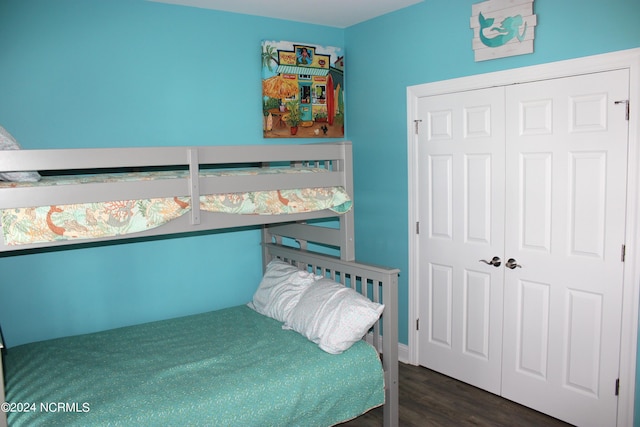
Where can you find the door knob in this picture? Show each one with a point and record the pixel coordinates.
(512, 263)
(495, 261)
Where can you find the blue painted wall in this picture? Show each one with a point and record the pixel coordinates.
(109, 73)
(432, 42)
(104, 73)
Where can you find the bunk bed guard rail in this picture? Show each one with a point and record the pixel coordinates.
(336, 158)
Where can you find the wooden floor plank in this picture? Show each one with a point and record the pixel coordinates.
(428, 398)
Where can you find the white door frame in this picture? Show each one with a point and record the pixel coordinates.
(627, 59)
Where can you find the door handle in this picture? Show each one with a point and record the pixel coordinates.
(495, 261)
(512, 263)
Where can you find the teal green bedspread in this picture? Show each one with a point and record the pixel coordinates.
(232, 367)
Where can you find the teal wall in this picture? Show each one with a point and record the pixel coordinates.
(104, 73)
(432, 42)
(109, 73)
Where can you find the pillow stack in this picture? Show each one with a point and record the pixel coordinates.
(280, 290)
(324, 311)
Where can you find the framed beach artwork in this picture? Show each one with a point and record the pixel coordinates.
(302, 90)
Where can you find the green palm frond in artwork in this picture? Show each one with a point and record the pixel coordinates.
(269, 55)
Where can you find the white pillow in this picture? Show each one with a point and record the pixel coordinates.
(8, 142)
(333, 316)
(280, 289)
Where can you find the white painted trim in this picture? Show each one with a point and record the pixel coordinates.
(403, 350)
(403, 353)
(627, 59)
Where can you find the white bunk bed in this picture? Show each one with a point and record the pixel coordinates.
(203, 172)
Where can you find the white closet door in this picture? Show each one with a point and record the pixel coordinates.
(566, 163)
(534, 174)
(461, 185)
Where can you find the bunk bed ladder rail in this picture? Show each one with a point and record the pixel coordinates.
(379, 284)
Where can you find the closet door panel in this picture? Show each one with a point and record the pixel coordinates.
(478, 169)
(566, 146)
(533, 328)
(584, 331)
(440, 196)
(461, 213)
(534, 211)
(477, 303)
(440, 290)
(587, 198)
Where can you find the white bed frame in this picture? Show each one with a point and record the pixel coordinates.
(336, 157)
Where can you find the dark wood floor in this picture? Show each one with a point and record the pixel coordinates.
(428, 398)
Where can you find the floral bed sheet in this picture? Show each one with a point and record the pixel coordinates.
(36, 224)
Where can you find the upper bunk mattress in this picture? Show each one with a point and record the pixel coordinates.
(232, 367)
(36, 224)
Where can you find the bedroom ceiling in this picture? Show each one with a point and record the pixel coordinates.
(333, 13)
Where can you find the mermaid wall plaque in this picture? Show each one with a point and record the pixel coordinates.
(502, 28)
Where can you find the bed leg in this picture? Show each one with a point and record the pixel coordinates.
(390, 352)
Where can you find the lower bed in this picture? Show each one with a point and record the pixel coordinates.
(232, 367)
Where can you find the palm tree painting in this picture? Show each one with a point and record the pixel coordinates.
(302, 90)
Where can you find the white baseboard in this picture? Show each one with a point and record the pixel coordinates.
(403, 349)
(403, 353)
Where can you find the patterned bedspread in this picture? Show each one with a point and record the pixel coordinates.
(106, 219)
(232, 367)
